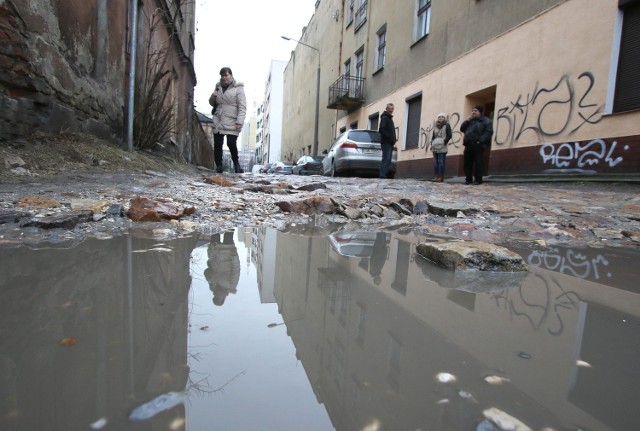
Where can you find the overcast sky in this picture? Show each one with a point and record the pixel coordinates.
(245, 36)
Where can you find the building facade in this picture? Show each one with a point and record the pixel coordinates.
(558, 78)
(66, 66)
(272, 113)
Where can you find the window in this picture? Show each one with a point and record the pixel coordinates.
(359, 74)
(350, 10)
(414, 109)
(423, 18)
(627, 92)
(360, 63)
(347, 75)
(353, 125)
(361, 15)
(382, 44)
(374, 121)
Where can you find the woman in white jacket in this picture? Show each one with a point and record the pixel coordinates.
(229, 110)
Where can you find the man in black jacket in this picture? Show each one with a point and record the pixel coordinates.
(388, 132)
(478, 131)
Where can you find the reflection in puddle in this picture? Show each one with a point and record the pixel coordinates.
(259, 329)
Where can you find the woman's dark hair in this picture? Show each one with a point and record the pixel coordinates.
(226, 70)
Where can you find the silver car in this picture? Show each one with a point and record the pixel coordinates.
(357, 152)
(308, 165)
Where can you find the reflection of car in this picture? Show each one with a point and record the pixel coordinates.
(284, 168)
(358, 152)
(358, 243)
(308, 165)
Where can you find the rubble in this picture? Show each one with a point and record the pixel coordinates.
(189, 199)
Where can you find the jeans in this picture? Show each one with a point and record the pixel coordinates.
(439, 161)
(387, 153)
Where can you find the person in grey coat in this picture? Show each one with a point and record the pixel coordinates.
(229, 110)
(223, 267)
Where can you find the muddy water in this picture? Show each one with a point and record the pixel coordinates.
(259, 329)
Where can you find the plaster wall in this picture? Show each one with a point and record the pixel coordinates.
(547, 84)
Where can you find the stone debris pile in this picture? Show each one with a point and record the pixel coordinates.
(99, 203)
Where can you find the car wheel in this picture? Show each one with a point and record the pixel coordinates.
(333, 171)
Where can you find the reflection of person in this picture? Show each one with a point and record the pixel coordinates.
(378, 257)
(439, 140)
(477, 131)
(388, 134)
(229, 109)
(223, 267)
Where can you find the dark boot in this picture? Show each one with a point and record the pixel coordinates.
(219, 169)
(237, 168)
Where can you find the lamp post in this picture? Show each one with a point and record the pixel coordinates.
(315, 129)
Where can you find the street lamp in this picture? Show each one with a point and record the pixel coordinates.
(315, 130)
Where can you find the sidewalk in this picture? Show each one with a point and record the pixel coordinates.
(542, 178)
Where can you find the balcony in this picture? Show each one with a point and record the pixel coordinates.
(347, 93)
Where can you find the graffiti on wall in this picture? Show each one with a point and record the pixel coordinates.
(578, 156)
(546, 112)
(562, 108)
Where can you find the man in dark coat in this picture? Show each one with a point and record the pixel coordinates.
(388, 132)
(478, 131)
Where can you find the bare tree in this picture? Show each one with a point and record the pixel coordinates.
(154, 112)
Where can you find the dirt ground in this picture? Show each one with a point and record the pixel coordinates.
(65, 153)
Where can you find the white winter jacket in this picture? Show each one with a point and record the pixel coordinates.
(229, 108)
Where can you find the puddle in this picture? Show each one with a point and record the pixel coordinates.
(260, 329)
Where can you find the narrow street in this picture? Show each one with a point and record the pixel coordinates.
(590, 214)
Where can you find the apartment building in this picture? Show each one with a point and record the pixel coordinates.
(558, 78)
(272, 113)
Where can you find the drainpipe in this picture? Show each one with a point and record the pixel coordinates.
(132, 72)
(101, 41)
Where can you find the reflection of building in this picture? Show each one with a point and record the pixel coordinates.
(372, 352)
(263, 251)
(123, 301)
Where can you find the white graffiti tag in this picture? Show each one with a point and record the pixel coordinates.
(591, 153)
(575, 264)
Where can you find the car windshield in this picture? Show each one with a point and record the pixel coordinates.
(364, 136)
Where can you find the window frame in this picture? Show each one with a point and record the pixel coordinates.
(624, 91)
(410, 133)
(361, 15)
(351, 7)
(381, 48)
(423, 18)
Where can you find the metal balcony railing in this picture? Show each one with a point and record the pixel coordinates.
(346, 93)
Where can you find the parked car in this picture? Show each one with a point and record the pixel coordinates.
(284, 168)
(357, 152)
(308, 165)
(265, 168)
